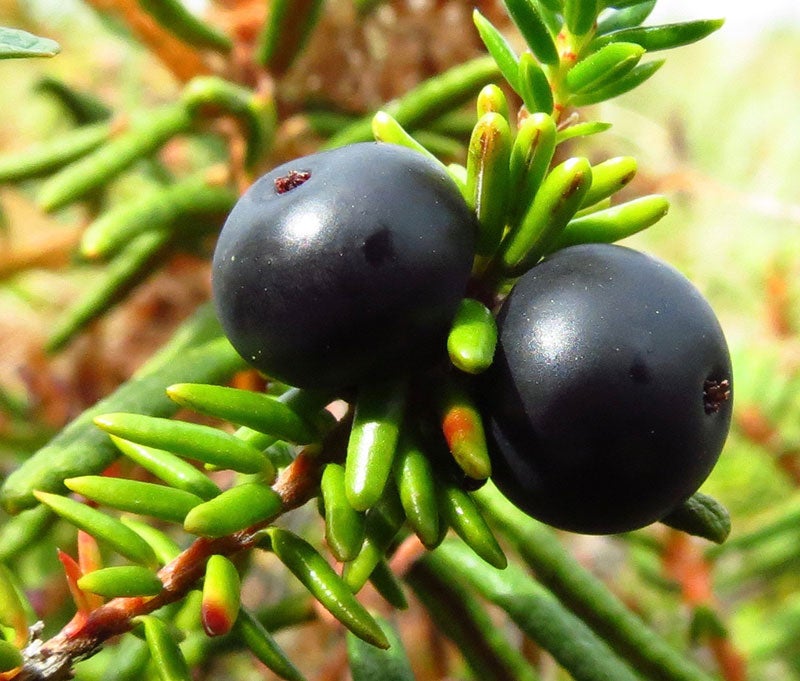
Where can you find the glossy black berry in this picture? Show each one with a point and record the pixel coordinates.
(609, 399)
(344, 266)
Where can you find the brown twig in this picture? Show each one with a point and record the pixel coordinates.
(52, 660)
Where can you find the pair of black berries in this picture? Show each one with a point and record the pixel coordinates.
(609, 399)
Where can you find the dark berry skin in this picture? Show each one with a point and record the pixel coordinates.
(344, 266)
(609, 399)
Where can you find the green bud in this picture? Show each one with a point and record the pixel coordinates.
(473, 337)
(462, 427)
(221, 596)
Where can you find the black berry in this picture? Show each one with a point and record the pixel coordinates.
(344, 266)
(610, 399)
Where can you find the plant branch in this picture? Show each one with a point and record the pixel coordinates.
(52, 660)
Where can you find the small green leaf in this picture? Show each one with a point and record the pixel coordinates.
(463, 515)
(530, 159)
(368, 663)
(612, 224)
(13, 613)
(601, 68)
(10, 656)
(385, 128)
(663, 37)
(473, 337)
(491, 99)
(52, 154)
(121, 581)
(487, 179)
(167, 467)
(327, 587)
(525, 15)
(286, 32)
(383, 522)
(164, 651)
(373, 440)
(413, 476)
(344, 526)
(192, 440)
(16, 43)
(388, 586)
(101, 526)
(535, 90)
(261, 412)
(580, 15)
(462, 427)
(581, 130)
(144, 136)
(498, 48)
(178, 20)
(608, 178)
(556, 202)
(19, 532)
(221, 596)
(84, 107)
(702, 516)
(633, 79)
(235, 509)
(134, 496)
(628, 17)
(263, 646)
(164, 547)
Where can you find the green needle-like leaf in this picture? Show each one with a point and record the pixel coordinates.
(261, 412)
(178, 20)
(164, 547)
(529, 22)
(586, 595)
(52, 154)
(19, 532)
(581, 130)
(428, 101)
(142, 138)
(663, 37)
(416, 486)
(122, 274)
(344, 526)
(556, 202)
(491, 99)
(385, 128)
(235, 509)
(15, 43)
(192, 440)
(463, 515)
(13, 613)
(173, 470)
(221, 596)
(603, 67)
(530, 159)
(473, 337)
(535, 90)
(144, 498)
(196, 353)
(286, 32)
(608, 178)
(632, 79)
(10, 656)
(383, 522)
(101, 526)
(164, 651)
(498, 47)
(702, 516)
(318, 577)
(580, 15)
(540, 616)
(121, 581)
(162, 209)
(628, 17)
(263, 646)
(612, 224)
(368, 663)
(388, 586)
(462, 427)
(373, 440)
(487, 179)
